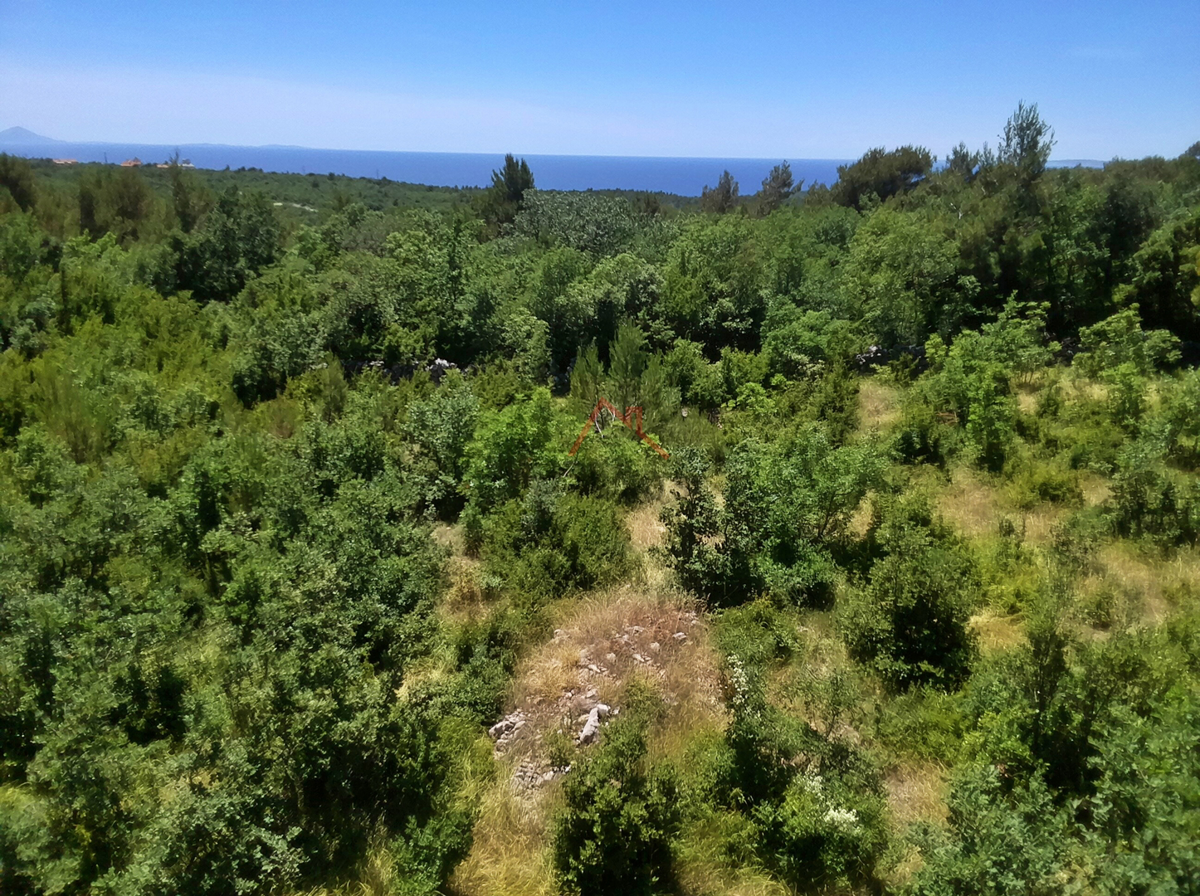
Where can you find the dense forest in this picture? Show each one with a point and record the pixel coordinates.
(303, 589)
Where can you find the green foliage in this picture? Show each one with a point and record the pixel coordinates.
(511, 449)
(1150, 500)
(909, 622)
(777, 187)
(787, 506)
(596, 224)
(621, 815)
(970, 382)
(1147, 803)
(722, 198)
(899, 276)
(16, 176)
(551, 543)
(440, 428)
(223, 666)
(1000, 841)
(501, 202)
(238, 238)
(881, 174)
(1119, 341)
(1026, 142)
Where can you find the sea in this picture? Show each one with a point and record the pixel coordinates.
(681, 176)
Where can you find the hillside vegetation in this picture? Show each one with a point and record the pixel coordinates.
(913, 607)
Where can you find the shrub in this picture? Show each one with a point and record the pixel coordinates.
(1151, 501)
(821, 834)
(1002, 840)
(615, 832)
(910, 621)
(440, 427)
(787, 505)
(619, 468)
(550, 543)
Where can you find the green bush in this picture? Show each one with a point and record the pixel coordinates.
(822, 835)
(620, 818)
(1003, 840)
(618, 467)
(909, 623)
(787, 506)
(551, 543)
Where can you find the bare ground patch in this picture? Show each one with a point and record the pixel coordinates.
(602, 643)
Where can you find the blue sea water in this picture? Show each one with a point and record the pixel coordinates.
(683, 176)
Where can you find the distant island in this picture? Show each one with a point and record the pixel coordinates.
(21, 136)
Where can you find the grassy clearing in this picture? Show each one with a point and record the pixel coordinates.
(878, 405)
(602, 642)
(1135, 587)
(510, 851)
(916, 792)
(996, 632)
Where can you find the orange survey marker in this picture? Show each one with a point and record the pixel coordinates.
(632, 418)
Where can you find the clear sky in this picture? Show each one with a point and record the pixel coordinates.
(755, 78)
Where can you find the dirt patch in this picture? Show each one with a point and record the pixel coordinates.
(602, 643)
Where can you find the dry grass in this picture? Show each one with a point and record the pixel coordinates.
(449, 537)
(970, 504)
(509, 854)
(1096, 489)
(1132, 588)
(645, 526)
(917, 792)
(704, 870)
(974, 507)
(626, 633)
(1027, 400)
(602, 643)
(997, 633)
(878, 405)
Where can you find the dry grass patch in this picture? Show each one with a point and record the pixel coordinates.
(1096, 489)
(601, 644)
(974, 507)
(970, 504)
(646, 530)
(997, 633)
(878, 405)
(1133, 588)
(510, 851)
(603, 641)
(704, 870)
(917, 792)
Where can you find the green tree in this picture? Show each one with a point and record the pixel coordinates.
(881, 173)
(722, 198)
(777, 188)
(187, 199)
(502, 201)
(910, 623)
(1027, 141)
(16, 176)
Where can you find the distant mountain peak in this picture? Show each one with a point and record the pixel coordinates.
(24, 135)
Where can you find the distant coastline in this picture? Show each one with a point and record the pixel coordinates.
(681, 176)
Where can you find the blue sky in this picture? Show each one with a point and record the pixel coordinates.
(755, 78)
